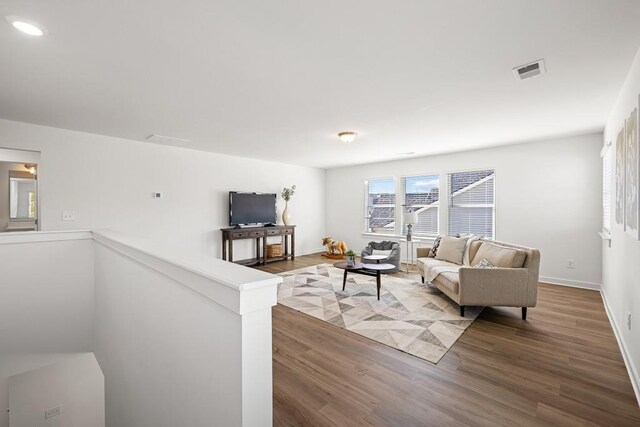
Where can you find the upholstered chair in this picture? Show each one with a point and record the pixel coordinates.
(385, 247)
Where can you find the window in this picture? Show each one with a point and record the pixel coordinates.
(380, 206)
(470, 197)
(421, 195)
(606, 186)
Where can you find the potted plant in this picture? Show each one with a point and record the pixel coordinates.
(351, 258)
(287, 193)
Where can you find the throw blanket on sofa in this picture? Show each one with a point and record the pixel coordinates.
(434, 267)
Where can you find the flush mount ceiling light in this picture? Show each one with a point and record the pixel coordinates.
(27, 26)
(347, 137)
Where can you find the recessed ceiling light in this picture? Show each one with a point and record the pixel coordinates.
(27, 26)
(347, 137)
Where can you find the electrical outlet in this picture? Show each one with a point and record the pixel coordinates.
(629, 321)
(68, 216)
(52, 412)
(571, 263)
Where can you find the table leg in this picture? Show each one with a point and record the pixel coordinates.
(258, 251)
(264, 250)
(230, 250)
(224, 249)
(293, 246)
(378, 283)
(286, 245)
(344, 280)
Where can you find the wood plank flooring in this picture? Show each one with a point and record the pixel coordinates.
(560, 367)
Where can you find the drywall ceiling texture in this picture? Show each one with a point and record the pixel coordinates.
(621, 270)
(547, 197)
(278, 80)
(108, 183)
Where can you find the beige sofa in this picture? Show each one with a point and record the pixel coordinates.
(513, 282)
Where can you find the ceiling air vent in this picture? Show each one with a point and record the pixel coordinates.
(529, 70)
(161, 139)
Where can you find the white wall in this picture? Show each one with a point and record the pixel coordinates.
(547, 196)
(108, 183)
(621, 269)
(75, 384)
(46, 303)
(182, 343)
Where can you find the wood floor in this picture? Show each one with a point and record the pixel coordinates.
(560, 367)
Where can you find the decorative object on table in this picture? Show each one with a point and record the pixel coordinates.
(409, 317)
(410, 218)
(391, 249)
(351, 258)
(335, 250)
(631, 174)
(274, 250)
(620, 169)
(287, 193)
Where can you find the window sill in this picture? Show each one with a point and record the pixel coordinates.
(399, 236)
(604, 234)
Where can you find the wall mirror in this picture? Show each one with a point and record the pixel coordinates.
(22, 196)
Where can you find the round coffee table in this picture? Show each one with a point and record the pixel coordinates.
(366, 269)
(376, 258)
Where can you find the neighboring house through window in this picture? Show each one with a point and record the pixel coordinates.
(471, 203)
(421, 194)
(380, 206)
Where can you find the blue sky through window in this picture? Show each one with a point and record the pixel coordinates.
(382, 186)
(421, 184)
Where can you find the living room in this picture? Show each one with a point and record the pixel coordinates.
(253, 96)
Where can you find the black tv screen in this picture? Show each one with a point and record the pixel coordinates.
(252, 208)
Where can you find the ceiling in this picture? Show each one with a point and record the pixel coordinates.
(278, 79)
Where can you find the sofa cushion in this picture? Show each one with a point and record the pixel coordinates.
(436, 245)
(499, 256)
(485, 263)
(452, 249)
(449, 280)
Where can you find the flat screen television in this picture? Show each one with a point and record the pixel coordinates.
(252, 208)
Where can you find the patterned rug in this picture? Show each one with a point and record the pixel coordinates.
(411, 317)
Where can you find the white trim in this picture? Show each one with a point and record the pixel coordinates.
(628, 361)
(240, 289)
(570, 283)
(604, 234)
(20, 237)
(312, 251)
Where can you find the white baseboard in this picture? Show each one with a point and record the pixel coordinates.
(312, 251)
(628, 361)
(570, 283)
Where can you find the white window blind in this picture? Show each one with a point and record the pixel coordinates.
(471, 201)
(421, 194)
(380, 206)
(607, 168)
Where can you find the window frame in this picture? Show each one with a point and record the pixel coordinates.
(366, 229)
(447, 175)
(404, 206)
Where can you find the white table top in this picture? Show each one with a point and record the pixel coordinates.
(378, 266)
(375, 257)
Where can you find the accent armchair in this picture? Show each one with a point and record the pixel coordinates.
(394, 254)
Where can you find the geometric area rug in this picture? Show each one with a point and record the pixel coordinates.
(410, 316)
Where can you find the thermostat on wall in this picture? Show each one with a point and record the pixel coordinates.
(156, 195)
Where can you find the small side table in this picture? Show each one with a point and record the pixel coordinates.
(410, 249)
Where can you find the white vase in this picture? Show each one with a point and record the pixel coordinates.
(286, 217)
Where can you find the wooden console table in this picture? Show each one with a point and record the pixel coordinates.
(259, 234)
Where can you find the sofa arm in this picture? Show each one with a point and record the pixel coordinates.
(423, 252)
(494, 286)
